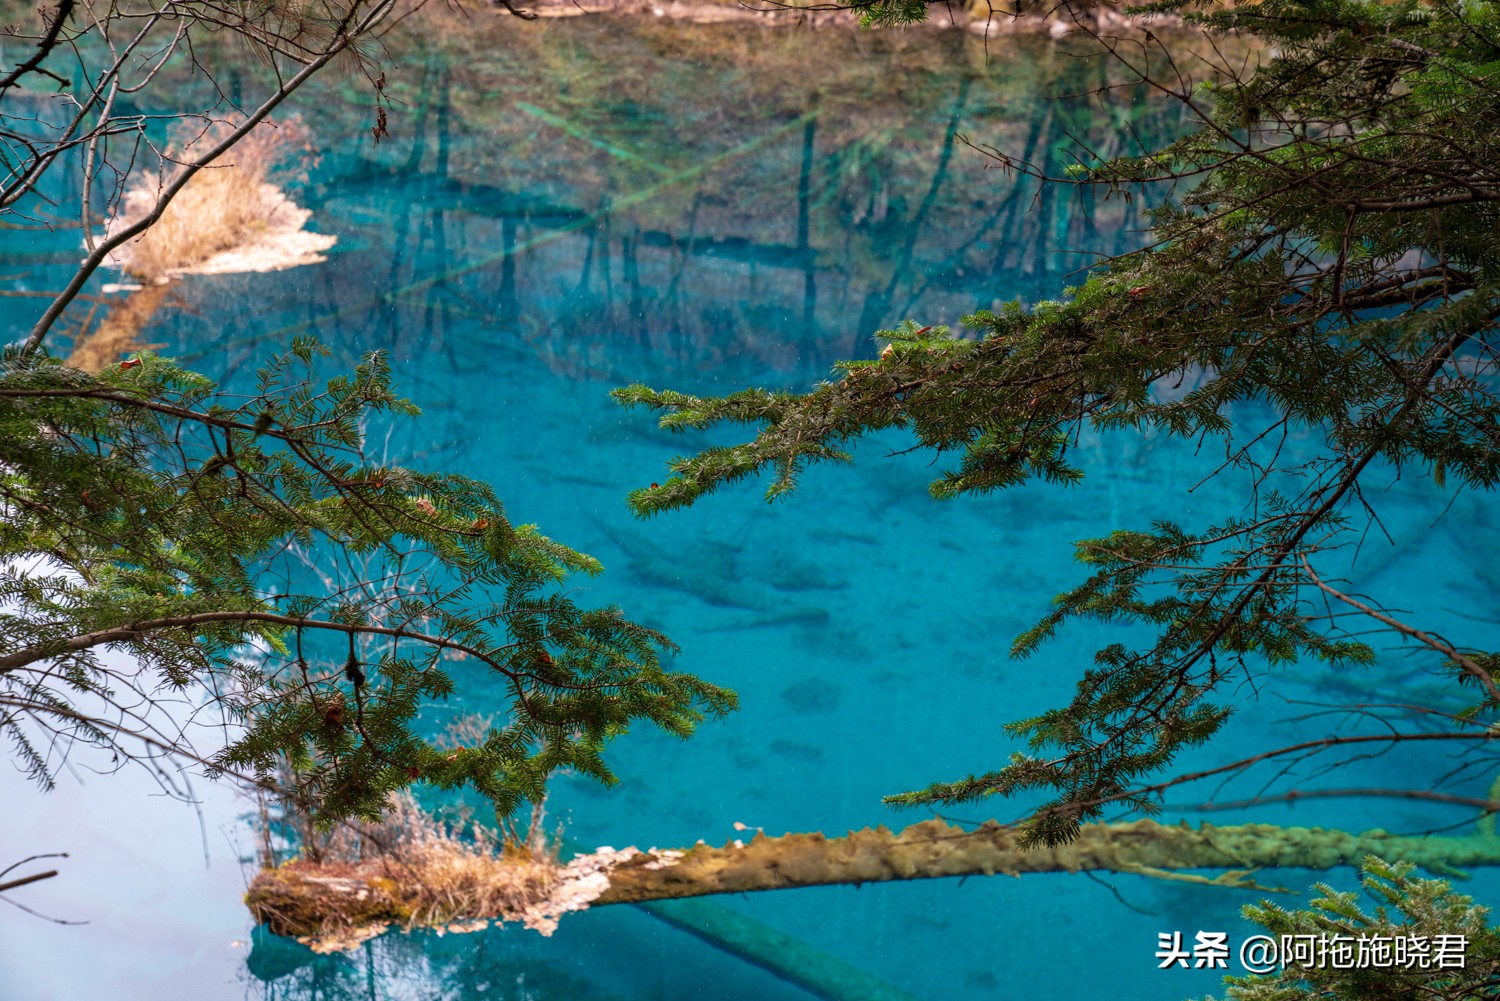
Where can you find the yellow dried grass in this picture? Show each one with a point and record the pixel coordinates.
(222, 206)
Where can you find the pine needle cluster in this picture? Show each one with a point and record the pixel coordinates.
(1452, 952)
(243, 561)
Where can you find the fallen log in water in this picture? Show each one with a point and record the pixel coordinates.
(783, 956)
(336, 905)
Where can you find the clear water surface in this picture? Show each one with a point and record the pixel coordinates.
(569, 207)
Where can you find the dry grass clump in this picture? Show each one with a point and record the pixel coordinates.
(229, 206)
(417, 871)
(230, 217)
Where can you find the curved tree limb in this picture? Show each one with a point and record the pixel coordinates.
(44, 47)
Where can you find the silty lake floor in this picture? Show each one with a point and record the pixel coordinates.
(523, 253)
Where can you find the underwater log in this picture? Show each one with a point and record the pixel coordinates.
(328, 908)
(783, 956)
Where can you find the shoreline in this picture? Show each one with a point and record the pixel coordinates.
(1106, 17)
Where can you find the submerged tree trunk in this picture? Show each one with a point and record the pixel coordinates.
(330, 906)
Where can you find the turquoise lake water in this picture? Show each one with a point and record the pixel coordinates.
(660, 207)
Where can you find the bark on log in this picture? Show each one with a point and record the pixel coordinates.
(933, 849)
